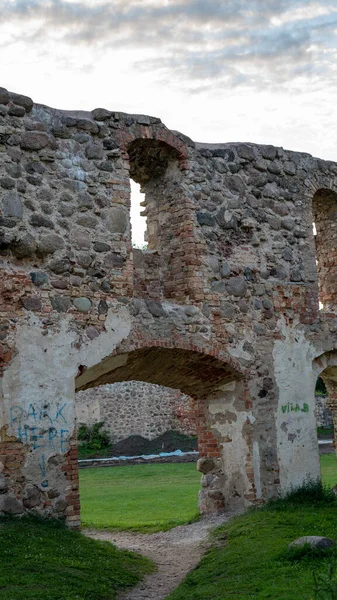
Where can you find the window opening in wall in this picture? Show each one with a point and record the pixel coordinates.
(324, 211)
(118, 422)
(138, 221)
(314, 231)
(325, 434)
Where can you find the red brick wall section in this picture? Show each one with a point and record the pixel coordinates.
(70, 469)
(207, 442)
(324, 215)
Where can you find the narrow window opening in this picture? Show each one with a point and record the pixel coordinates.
(138, 220)
(324, 209)
(314, 231)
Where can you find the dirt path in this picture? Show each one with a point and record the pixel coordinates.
(175, 553)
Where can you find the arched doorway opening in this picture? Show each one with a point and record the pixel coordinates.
(202, 376)
(325, 433)
(137, 443)
(325, 368)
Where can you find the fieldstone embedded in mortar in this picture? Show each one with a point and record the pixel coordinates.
(225, 270)
(103, 307)
(205, 219)
(60, 303)
(227, 310)
(34, 140)
(206, 480)
(16, 111)
(22, 100)
(49, 244)
(205, 465)
(60, 505)
(38, 220)
(155, 308)
(12, 205)
(7, 183)
(60, 265)
(94, 151)
(24, 247)
(113, 260)
(3, 484)
(82, 304)
(10, 505)
(237, 286)
(101, 114)
(92, 332)
(84, 201)
(39, 279)
(32, 497)
(4, 96)
(101, 247)
(115, 220)
(32, 303)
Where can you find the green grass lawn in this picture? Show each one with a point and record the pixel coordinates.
(329, 469)
(139, 497)
(41, 560)
(150, 498)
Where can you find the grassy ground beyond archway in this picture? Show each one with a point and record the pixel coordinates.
(146, 498)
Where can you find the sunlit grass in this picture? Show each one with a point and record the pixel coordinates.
(329, 469)
(142, 497)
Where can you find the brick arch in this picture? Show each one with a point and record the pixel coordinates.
(325, 363)
(320, 181)
(195, 369)
(158, 133)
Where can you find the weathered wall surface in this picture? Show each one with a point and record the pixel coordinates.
(323, 414)
(223, 306)
(135, 408)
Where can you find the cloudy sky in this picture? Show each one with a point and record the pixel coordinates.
(232, 70)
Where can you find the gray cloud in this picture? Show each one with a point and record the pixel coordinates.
(230, 42)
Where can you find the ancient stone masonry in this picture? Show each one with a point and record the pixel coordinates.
(323, 414)
(136, 408)
(223, 306)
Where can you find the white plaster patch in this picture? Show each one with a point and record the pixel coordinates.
(235, 449)
(38, 387)
(297, 445)
(118, 327)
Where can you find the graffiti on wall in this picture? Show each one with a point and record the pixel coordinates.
(291, 407)
(41, 426)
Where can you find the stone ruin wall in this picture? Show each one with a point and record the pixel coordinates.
(224, 305)
(136, 408)
(324, 417)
